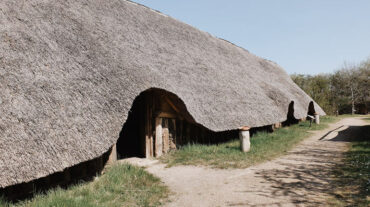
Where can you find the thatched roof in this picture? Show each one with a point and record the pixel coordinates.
(70, 70)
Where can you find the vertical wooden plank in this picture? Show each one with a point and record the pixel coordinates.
(150, 138)
(194, 133)
(218, 137)
(191, 133)
(142, 125)
(113, 155)
(173, 134)
(210, 137)
(183, 133)
(188, 133)
(100, 163)
(165, 135)
(178, 132)
(147, 126)
(147, 145)
(152, 143)
(200, 131)
(158, 137)
(206, 135)
(203, 134)
(152, 123)
(180, 137)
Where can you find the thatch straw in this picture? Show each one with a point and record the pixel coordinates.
(70, 70)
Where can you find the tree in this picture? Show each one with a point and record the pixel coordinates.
(342, 91)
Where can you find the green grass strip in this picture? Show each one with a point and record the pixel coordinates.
(264, 146)
(121, 185)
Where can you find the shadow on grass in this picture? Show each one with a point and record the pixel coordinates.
(352, 181)
(308, 173)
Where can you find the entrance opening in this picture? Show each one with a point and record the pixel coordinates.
(311, 109)
(158, 123)
(130, 142)
(290, 116)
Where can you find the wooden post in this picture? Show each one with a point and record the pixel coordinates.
(203, 135)
(113, 155)
(100, 163)
(188, 133)
(147, 146)
(158, 137)
(244, 137)
(148, 130)
(317, 118)
(180, 136)
(184, 133)
(165, 136)
(151, 130)
(174, 134)
(195, 133)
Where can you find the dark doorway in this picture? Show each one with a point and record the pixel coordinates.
(311, 109)
(158, 122)
(131, 142)
(290, 116)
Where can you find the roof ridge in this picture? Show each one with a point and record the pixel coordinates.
(159, 12)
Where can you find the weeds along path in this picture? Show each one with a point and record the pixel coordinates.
(300, 178)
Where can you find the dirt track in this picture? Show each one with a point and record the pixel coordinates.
(299, 178)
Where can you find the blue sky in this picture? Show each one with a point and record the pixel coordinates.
(303, 36)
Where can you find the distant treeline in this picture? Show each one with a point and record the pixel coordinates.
(344, 91)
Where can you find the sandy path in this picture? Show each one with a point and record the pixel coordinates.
(299, 178)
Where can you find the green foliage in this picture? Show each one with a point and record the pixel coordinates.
(264, 146)
(318, 87)
(122, 185)
(341, 91)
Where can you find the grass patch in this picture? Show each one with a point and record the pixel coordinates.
(121, 185)
(352, 178)
(264, 146)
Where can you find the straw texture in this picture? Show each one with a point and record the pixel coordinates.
(70, 70)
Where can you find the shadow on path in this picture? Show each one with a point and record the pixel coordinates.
(331, 131)
(307, 171)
